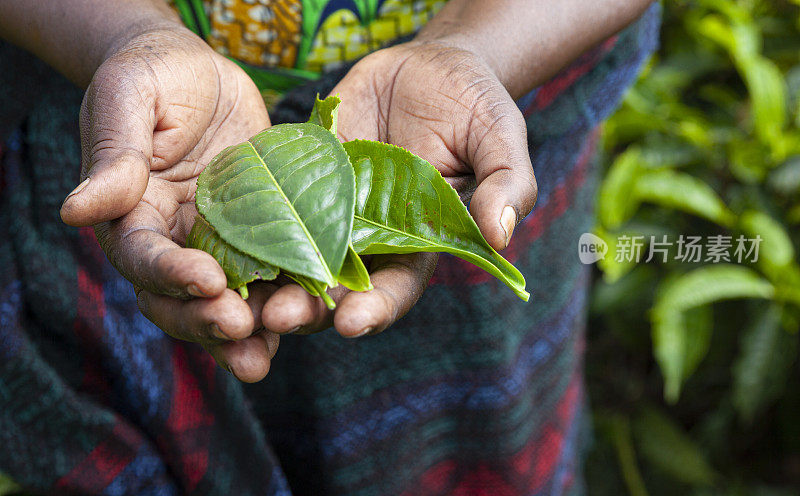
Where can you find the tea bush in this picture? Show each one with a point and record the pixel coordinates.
(692, 364)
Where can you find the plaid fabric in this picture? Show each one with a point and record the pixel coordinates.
(474, 392)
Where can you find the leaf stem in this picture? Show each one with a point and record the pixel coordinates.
(327, 299)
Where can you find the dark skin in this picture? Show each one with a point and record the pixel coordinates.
(160, 104)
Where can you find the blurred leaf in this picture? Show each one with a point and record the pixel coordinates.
(681, 191)
(665, 444)
(695, 131)
(680, 339)
(617, 296)
(7, 485)
(768, 96)
(792, 79)
(715, 28)
(612, 268)
(669, 154)
(680, 342)
(734, 11)
(740, 37)
(617, 429)
(793, 216)
(707, 285)
(776, 247)
(786, 280)
(669, 346)
(699, 326)
(785, 180)
(743, 197)
(760, 371)
(616, 201)
(747, 38)
(748, 160)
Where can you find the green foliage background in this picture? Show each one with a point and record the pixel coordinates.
(692, 367)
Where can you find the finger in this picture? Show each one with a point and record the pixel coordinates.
(464, 185)
(399, 281)
(292, 310)
(139, 246)
(259, 293)
(117, 120)
(248, 360)
(500, 158)
(200, 320)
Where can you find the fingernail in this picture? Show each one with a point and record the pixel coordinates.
(195, 291)
(77, 189)
(508, 221)
(230, 370)
(362, 332)
(294, 330)
(215, 330)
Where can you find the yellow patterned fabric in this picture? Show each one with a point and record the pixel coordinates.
(269, 33)
(259, 32)
(342, 37)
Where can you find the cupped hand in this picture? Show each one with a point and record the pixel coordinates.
(156, 112)
(444, 104)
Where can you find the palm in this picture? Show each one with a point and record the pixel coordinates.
(225, 109)
(445, 105)
(440, 112)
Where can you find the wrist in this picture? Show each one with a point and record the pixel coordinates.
(445, 36)
(138, 29)
(76, 36)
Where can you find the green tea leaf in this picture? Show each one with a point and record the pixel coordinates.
(613, 268)
(684, 192)
(616, 200)
(760, 371)
(354, 274)
(325, 113)
(239, 268)
(748, 160)
(618, 429)
(314, 288)
(403, 205)
(776, 247)
(767, 94)
(669, 448)
(680, 342)
(285, 197)
(709, 284)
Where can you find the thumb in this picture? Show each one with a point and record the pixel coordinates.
(117, 120)
(501, 160)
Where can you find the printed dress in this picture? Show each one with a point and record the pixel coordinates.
(472, 393)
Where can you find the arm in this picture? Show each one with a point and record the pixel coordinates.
(526, 42)
(76, 36)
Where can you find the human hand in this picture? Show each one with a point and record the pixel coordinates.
(444, 104)
(156, 112)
